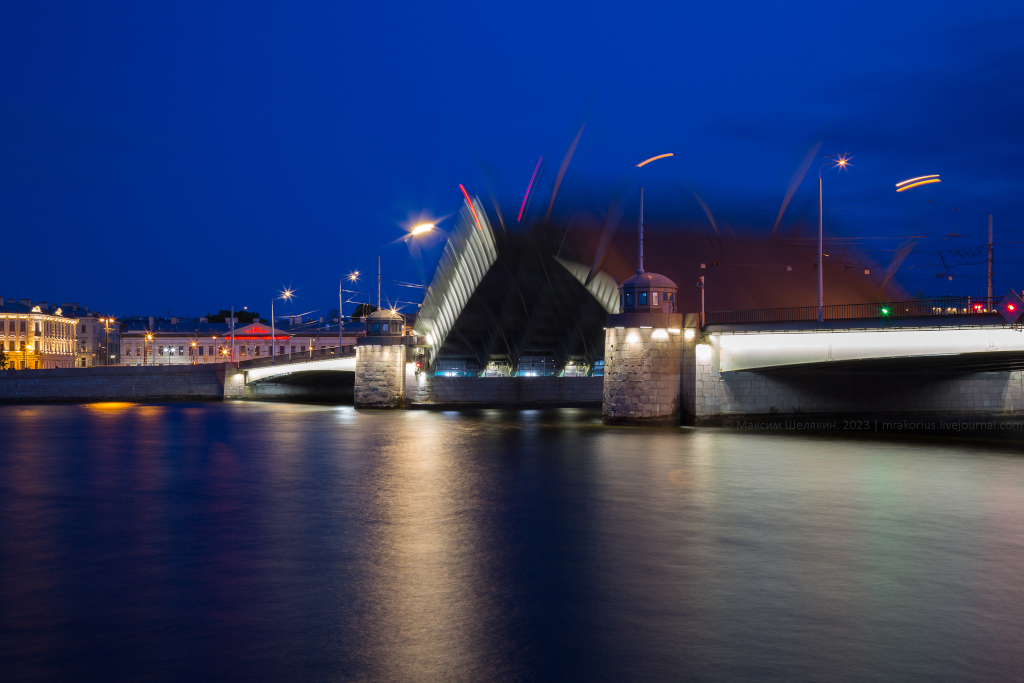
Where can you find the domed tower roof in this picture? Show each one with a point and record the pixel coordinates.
(384, 323)
(650, 280)
(384, 314)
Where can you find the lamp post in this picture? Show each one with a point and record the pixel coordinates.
(352, 277)
(840, 161)
(106, 339)
(286, 294)
(145, 349)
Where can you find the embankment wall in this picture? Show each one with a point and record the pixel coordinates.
(114, 383)
(424, 391)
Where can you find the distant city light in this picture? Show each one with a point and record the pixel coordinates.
(647, 161)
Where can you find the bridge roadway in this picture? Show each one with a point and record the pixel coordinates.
(972, 343)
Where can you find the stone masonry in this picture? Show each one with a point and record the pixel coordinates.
(643, 373)
(380, 376)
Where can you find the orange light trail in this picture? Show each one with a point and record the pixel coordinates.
(471, 208)
(923, 182)
(660, 156)
(914, 180)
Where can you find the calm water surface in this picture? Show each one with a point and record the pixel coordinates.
(249, 541)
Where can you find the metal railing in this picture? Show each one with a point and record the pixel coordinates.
(325, 353)
(921, 308)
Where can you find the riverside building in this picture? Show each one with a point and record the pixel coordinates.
(190, 342)
(36, 336)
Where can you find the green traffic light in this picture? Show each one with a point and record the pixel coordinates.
(885, 311)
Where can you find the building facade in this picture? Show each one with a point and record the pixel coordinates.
(37, 336)
(98, 340)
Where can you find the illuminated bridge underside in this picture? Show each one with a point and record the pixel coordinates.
(504, 297)
(280, 372)
(979, 349)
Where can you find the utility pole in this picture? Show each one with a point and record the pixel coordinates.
(701, 285)
(990, 262)
(378, 283)
(640, 232)
(232, 356)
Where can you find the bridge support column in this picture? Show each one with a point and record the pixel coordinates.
(380, 373)
(644, 358)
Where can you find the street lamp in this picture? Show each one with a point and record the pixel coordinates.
(351, 277)
(286, 294)
(145, 355)
(106, 339)
(840, 161)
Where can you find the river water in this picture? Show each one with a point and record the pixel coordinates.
(256, 541)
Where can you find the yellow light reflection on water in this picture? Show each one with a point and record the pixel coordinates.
(109, 406)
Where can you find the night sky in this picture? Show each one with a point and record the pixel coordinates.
(186, 157)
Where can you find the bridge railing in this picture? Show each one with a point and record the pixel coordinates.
(325, 353)
(920, 308)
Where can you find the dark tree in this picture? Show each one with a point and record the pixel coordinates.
(244, 317)
(363, 310)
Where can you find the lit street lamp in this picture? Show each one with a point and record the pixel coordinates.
(286, 294)
(106, 339)
(352, 277)
(841, 161)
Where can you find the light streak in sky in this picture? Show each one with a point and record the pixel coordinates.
(794, 183)
(917, 182)
(471, 208)
(562, 169)
(914, 180)
(526, 196)
(660, 156)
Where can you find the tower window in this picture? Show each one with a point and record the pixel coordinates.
(642, 300)
(629, 298)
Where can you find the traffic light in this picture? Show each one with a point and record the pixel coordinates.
(1011, 307)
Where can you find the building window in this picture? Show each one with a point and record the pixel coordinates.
(256, 351)
(211, 351)
(654, 298)
(83, 328)
(200, 350)
(181, 350)
(385, 328)
(281, 351)
(293, 349)
(161, 352)
(302, 349)
(376, 327)
(629, 298)
(127, 350)
(22, 326)
(642, 299)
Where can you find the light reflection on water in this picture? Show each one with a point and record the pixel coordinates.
(268, 542)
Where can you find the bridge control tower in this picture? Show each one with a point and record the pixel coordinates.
(380, 359)
(644, 348)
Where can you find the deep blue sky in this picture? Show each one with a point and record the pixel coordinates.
(188, 156)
